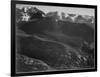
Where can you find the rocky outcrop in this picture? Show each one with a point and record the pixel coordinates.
(27, 64)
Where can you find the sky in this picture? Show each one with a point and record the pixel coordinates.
(66, 10)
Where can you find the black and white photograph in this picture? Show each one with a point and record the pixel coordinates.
(54, 38)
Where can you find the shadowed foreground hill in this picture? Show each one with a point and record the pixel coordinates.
(58, 44)
(38, 26)
(81, 30)
(49, 52)
(54, 54)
